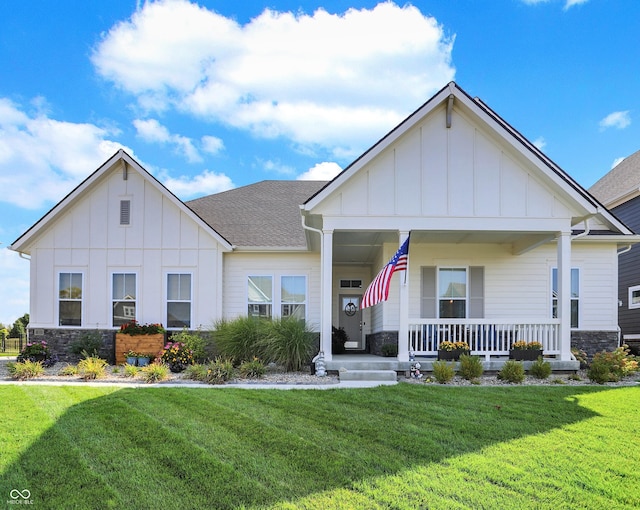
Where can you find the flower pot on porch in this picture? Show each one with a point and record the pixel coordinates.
(525, 354)
(453, 355)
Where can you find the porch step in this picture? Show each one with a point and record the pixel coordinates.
(367, 375)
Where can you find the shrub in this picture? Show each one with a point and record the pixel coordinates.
(177, 356)
(238, 339)
(196, 372)
(443, 372)
(133, 328)
(581, 356)
(26, 369)
(68, 370)
(130, 370)
(38, 351)
(253, 369)
(288, 342)
(219, 371)
(194, 341)
(92, 368)
(338, 338)
(470, 367)
(512, 371)
(88, 343)
(155, 372)
(611, 366)
(390, 350)
(540, 368)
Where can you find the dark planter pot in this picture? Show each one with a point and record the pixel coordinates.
(451, 355)
(525, 354)
(143, 361)
(131, 360)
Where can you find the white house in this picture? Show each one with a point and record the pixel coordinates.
(504, 246)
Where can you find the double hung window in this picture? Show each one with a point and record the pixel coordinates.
(70, 299)
(123, 298)
(575, 295)
(288, 297)
(178, 300)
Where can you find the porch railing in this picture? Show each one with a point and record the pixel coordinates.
(486, 337)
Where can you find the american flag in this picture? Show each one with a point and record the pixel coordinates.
(378, 290)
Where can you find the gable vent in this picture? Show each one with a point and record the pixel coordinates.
(125, 212)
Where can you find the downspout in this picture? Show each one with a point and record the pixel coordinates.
(586, 228)
(624, 250)
(319, 232)
(23, 256)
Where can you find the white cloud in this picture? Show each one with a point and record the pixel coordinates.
(212, 144)
(277, 167)
(282, 74)
(540, 143)
(206, 183)
(567, 5)
(616, 162)
(618, 120)
(324, 171)
(151, 130)
(41, 158)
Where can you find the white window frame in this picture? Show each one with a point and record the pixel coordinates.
(466, 298)
(81, 300)
(306, 294)
(631, 305)
(578, 299)
(112, 300)
(273, 297)
(167, 300)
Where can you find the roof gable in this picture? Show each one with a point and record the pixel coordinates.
(455, 157)
(120, 160)
(621, 184)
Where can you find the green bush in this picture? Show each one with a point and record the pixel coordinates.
(88, 344)
(130, 370)
(390, 350)
(194, 341)
(219, 371)
(288, 342)
(155, 372)
(253, 369)
(195, 372)
(512, 371)
(26, 369)
(470, 367)
(540, 368)
(443, 372)
(92, 367)
(238, 339)
(611, 366)
(68, 370)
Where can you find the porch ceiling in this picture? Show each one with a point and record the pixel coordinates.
(362, 247)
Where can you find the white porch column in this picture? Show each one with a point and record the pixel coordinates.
(403, 330)
(326, 290)
(564, 294)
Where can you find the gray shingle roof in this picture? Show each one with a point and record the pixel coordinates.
(623, 179)
(264, 214)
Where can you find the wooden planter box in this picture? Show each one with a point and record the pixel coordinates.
(451, 355)
(525, 354)
(151, 344)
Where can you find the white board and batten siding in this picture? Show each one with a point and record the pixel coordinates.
(160, 238)
(431, 175)
(238, 266)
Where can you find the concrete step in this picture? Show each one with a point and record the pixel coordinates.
(367, 375)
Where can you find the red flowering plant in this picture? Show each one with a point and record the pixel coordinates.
(38, 351)
(177, 356)
(133, 328)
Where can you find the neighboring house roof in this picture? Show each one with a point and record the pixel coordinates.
(22, 244)
(621, 184)
(261, 215)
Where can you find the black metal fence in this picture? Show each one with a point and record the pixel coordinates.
(12, 344)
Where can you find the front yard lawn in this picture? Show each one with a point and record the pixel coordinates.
(404, 446)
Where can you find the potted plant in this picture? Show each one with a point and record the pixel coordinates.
(143, 359)
(177, 356)
(338, 338)
(389, 350)
(136, 337)
(452, 350)
(131, 357)
(525, 351)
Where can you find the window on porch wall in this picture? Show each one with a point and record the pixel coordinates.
(575, 295)
(452, 293)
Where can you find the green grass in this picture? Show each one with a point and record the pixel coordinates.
(405, 446)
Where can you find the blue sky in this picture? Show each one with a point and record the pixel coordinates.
(220, 94)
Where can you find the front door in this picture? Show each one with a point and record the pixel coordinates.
(351, 320)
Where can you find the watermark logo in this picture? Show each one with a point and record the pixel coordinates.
(20, 497)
